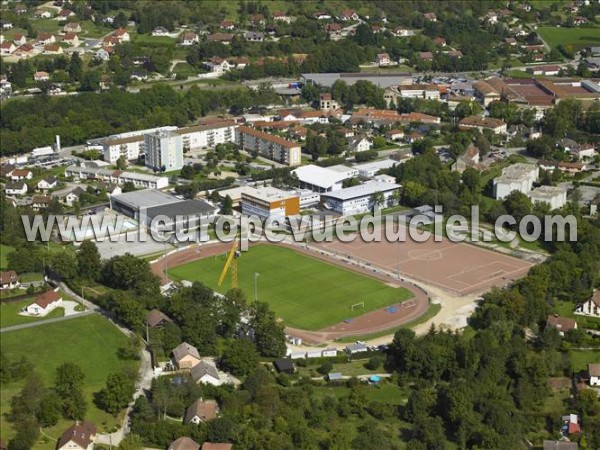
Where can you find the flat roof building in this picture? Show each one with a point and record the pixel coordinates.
(555, 196)
(164, 150)
(359, 199)
(321, 179)
(269, 202)
(139, 180)
(518, 177)
(370, 169)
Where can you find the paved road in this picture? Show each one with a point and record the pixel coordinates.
(44, 322)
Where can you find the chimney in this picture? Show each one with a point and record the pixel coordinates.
(57, 143)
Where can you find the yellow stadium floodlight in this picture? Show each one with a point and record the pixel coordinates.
(231, 265)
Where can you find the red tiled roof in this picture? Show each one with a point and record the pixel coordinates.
(43, 300)
(267, 137)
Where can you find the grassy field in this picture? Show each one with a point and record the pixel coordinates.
(4, 251)
(577, 38)
(303, 291)
(581, 358)
(9, 313)
(386, 393)
(91, 342)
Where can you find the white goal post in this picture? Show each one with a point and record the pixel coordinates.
(361, 304)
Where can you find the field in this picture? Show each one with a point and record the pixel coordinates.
(575, 37)
(91, 342)
(4, 251)
(304, 292)
(9, 313)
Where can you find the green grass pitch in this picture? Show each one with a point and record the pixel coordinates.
(576, 38)
(91, 342)
(305, 292)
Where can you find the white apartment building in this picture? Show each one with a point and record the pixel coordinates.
(518, 177)
(139, 180)
(208, 135)
(269, 146)
(555, 196)
(164, 150)
(129, 147)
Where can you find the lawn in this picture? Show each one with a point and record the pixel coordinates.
(581, 358)
(4, 251)
(91, 342)
(388, 393)
(577, 38)
(9, 313)
(305, 292)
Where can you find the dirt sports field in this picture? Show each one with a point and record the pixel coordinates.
(368, 323)
(456, 267)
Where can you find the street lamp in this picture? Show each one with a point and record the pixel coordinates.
(256, 275)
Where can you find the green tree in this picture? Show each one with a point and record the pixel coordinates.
(268, 332)
(64, 265)
(227, 206)
(75, 67)
(121, 163)
(50, 410)
(117, 393)
(132, 442)
(240, 357)
(69, 378)
(89, 263)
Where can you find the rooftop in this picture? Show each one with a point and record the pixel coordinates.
(322, 177)
(146, 198)
(361, 190)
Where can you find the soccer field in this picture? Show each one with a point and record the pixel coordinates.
(305, 292)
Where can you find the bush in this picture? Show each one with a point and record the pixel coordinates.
(325, 368)
(373, 363)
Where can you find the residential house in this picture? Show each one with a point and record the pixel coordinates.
(359, 144)
(383, 59)
(42, 14)
(414, 136)
(322, 16)
(224, 38)
(454, 54)
(103, 54)
(570, 425)
(186, 356)
(41, 76)
(498, 126)
(110, 41)
(281, 16)
(20, 9)
(347, 15)
(257, 20)
(72, 27)
(402, 32)
(356, 348)
(585, 151)
(19, 39)
(591, 307)
(510, 41)
(394, 134)
(189, 38)
(218, 65)
(426, 56)
(9, 280)
(53, 49)
(227, 25)
(206, 372)
(64, 14)
(439, 41)
(333, 28)
(431, 17)
(24, 51)
(15, 188)
(71, 196)
(157, 319)
(21, 174)
(219, 446)
(160, 31)
(50, 182)
(201, 411)
(7, 48)
(79, 436)
(326, 102)
(40, 202)
(71, 39)
(254, 36)
(139, 76)
(122, 35)
(580, 20)
(469, 159)
(594, 374)
(44, 303)
(299, 132)
(110, 189)
(184, 443)
(562, 324)
(6, 25)
(284, 366)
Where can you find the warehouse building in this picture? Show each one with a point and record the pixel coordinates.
(321, 179)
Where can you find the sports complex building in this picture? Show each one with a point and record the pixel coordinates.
(147, 204)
